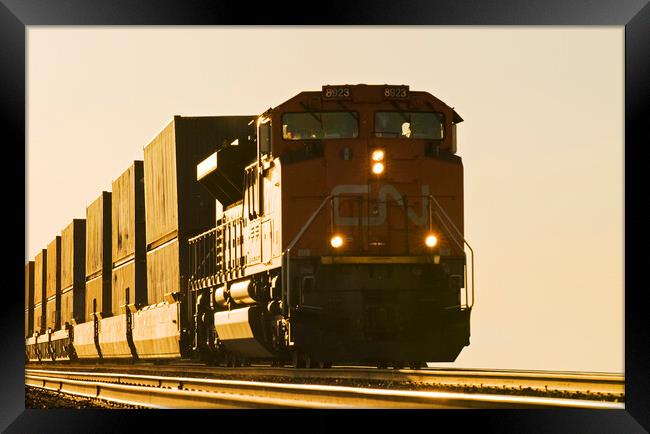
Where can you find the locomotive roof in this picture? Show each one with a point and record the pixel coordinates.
(371, 93)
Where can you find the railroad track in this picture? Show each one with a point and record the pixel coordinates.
(173, 391)
(611, 386)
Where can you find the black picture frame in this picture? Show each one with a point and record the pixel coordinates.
(15, 15)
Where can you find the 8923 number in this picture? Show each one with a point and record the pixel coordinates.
(396, 92)
(337, 92)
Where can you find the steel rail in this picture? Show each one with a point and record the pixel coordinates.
(186, 392)
(542, 381)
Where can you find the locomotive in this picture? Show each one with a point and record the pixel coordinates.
(328, 229)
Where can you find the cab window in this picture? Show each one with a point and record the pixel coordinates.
(409, 125)
(320, 125)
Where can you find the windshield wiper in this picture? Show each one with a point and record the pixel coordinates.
(354, 114)
(320, 121)
(401, 112)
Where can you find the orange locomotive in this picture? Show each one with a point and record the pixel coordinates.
(341, 235)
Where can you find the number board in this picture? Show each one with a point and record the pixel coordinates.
(396, 92)
(337, 92)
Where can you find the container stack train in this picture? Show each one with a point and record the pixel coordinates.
(328, 229)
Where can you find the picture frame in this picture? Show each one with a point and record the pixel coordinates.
(16, 15)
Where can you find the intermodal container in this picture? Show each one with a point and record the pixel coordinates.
(53, 290)
(177, 206)
(73, 271)
(29, 298)
(128, 239)
(40, 283)
(98, 257)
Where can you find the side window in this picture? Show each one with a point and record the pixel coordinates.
(245, 202)
(265, 138)
(254, 194)
(248, 197)
(259, 187)
(251, 194)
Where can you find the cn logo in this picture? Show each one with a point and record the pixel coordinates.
(386, 191)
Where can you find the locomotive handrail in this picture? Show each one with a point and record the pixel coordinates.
(286, 281)
(202, 234)
(200, 267)
(459, 233)
(207, 262)
(309, 222)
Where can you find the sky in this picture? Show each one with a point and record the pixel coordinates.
(542, 145)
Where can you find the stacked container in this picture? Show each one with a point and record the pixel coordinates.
(29, 299)
(176, 205)
(53, 292)
(40, 284)
(128, 239)
(73, 272)
(98, 257)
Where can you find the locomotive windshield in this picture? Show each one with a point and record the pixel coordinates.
(409, 125)
(320, 125)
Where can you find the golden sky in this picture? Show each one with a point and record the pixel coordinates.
(542, 146)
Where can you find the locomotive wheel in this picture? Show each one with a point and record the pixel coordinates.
(72, 355)
(232, 361)
(417, 365)
(308, 362)
(398, 365)
(382, 365)
(298, 360)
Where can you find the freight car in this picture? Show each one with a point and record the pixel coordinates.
(327, 229)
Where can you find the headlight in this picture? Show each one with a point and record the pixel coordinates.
(336, 241)
(378, 155)
(431, 240)
(377, 168)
